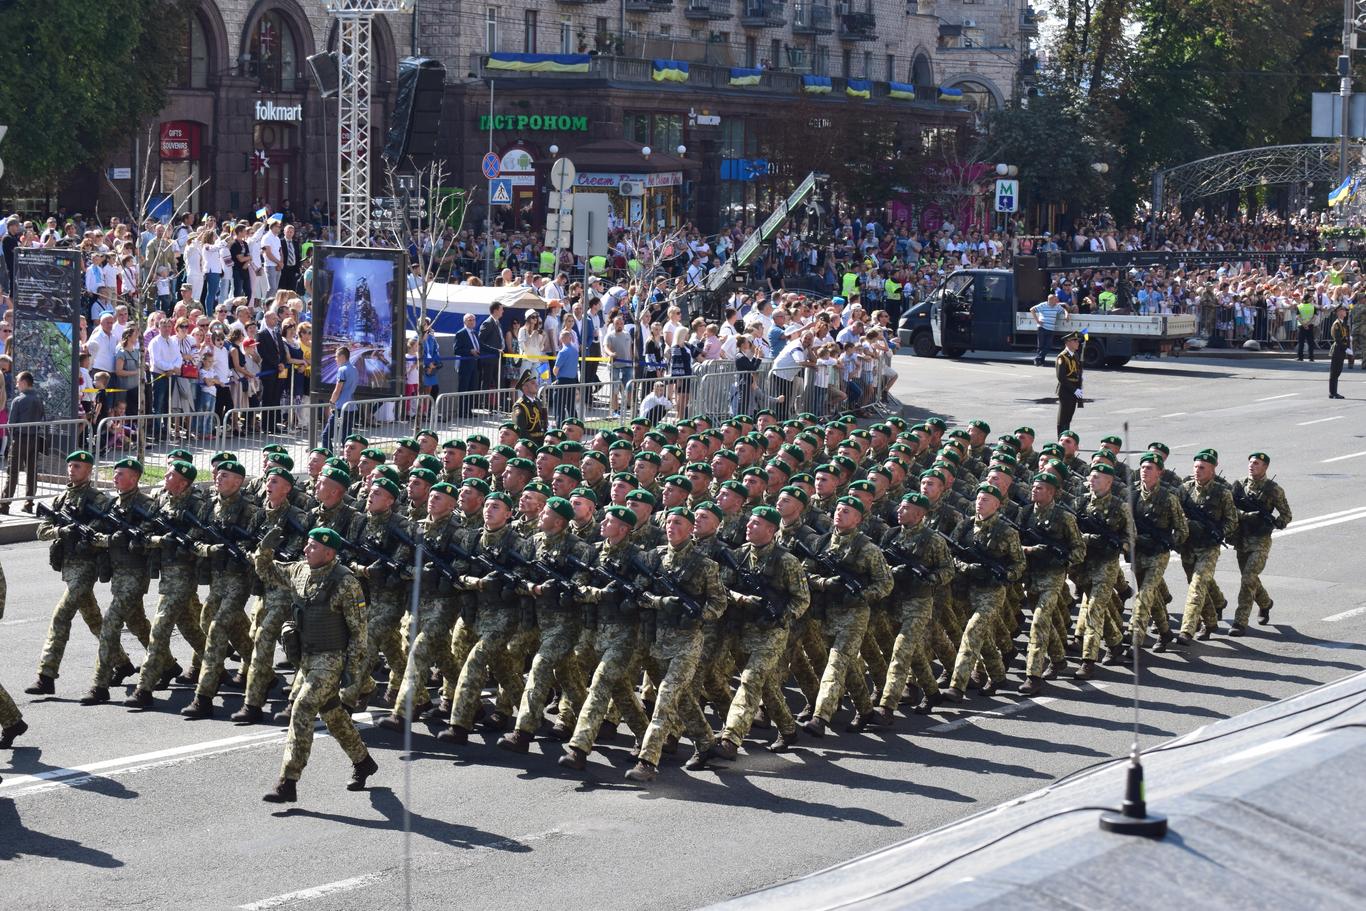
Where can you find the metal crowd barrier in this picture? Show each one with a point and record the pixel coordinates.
(44, 445)
(463, 413)
(152, 436)
(296, 427)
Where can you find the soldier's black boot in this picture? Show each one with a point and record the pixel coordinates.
(642, 772)
(1032, 686)
(123, 672)
(286, 790)
(815, 727)
(392, 722)
(284, 715)
(860, 723)
(141, 699)
(248, 714)
(926, 704)
(783, 742)
(951, 694)
(361, 771)
(10, 734)
(761, 721)
(454, 734)
(1085, 672)
(199, 707)
(1238, 629)
(724, 749)
(190, 679)
(883, 717)
(171, 673)
(97, 695)
(1264, 613)
(574, 758)
(515, 742)
(43, 686)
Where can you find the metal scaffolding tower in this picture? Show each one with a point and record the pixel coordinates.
(1266, 166)
(354, 18)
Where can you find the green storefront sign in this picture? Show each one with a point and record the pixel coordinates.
(562, 122)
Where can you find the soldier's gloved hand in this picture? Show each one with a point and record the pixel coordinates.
(204, 550)
(492, 583)
(747, 600)
(974, 571)
(375, 570)
(121, 539)
(218, 550)
(156, 541)
(67, 535)
(612, 589)
(100, 541)
(272, 538)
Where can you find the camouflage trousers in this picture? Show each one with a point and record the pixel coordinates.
(554, 662)
(877, 642)
(1099, 606)
(910, 650)
(224, 620)
(761, 682)
(978, 636)
(711, 683)
(1202, 594)
(384, 634)
(805, 643)
(432, 646)
(125, 609)
(619, 648)
(1048, 626)
(1252, 554)
(270, 614)
(1148, 604)
(9, 712)
(493, 632)
(175, 593)
(79, 597)
(671, 662)
(844, 669)
(315, 693)
(945, 632)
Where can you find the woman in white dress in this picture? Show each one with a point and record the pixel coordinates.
(194, 264)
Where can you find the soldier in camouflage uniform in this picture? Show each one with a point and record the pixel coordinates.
(1055, 545)
(74, 555)
(274, 602)
(1212, 517)
(325, 639)
(986, 538)
(224, 618)
(769, 592)
(559, 618)
(920, 563)
(585, 523)
(498, 612)
(129, 565)
(1161, 527)
(616, 638)
(12, 722)
(1106, 526)
(1262, 508)
(674, 649)
(850, 573)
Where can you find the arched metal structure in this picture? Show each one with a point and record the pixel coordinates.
(1265, 166)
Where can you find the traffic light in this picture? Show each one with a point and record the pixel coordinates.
(416, 121)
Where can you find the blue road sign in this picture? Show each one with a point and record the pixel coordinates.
(490, 165)
(500, 191)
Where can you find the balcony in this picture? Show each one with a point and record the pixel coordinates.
(858, 27)
(1029, 23)
(812, 19)
(580, 2)
(762, 14)
(649, 6)
(708, 9)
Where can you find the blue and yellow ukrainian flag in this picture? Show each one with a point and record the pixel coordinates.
(816, 85)
(952, 96)
(539, 63)
(744, 76)
(858, 88)
(669, 71)
(902, 90)
(1343, 193)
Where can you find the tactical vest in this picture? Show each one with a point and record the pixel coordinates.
(322, 629)
(674, 616)
(618, 608)
(776, 597)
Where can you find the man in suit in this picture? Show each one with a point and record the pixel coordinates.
(26, 408)
(271, 349)
(290, 256)
(467, 350)
(491, 349)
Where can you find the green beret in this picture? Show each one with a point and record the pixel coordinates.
(447, 488)
(478, 461)
(339, 475)
(374, 455)
(385, 485)
(1260, 455)
(854, 502)
(596, 456)
(561, 507)
(389, 471)
(1207, 455)
(1022, 430)
(1103, 468)
(454, 444)
(128, 463)
(980, 425)
(782, 466)
(234, 467)
(621, 514)
(679, 480)
(279, 472)
(585, 492)
(1161, 447)
(427, 432)
(572, 447)
(423, 474)
(917, 499)
(321, 449)
(499, 496)
(729, 455)
(326, 537)
(479, 438)
(179, 455)
(646, 455)
(735, 487)
(280, 460)
(957, 433)
(572, 422)
(937, 423)
(429, 462)
(357, 438)
(550, 450)
(768, 514)
(984, 487)
(657, 437)
(477, 484)
(951, 456)
(504, 450)
(749, 440)
(932, 473)
(1212, 451)
(1153, 457)
(222, 456)
(642, 496)
(763, 412)
(628, 477)
(538, 486)
(274, 447)
(1047, 477)
(683, 511)
(754, 471)
(1111, 440)
(796, 493)
(1006, 459)
(571, 471)
(185, 469)
(845, 462)
(621, 444)
(863, 486)
(793, 450)
(1051, 447)
(701, 467)
(710, 507)
(1069, 435)
(1009, 440)
(520, 463)
(639, 422)
(335, 462)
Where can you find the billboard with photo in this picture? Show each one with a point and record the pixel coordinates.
(358, 301)
(47, 294)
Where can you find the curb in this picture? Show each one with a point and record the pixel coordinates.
(18, 532)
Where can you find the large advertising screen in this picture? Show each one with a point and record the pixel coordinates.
(47, 293)
(358, 301)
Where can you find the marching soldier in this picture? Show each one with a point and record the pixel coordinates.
(1212, 519)
(12, 722)
(1055, 545)
(1262, 508)
(1161, 527)
(1105, 525)
(325, 639)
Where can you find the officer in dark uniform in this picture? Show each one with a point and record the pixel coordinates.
(528, 414)
(1068, 369)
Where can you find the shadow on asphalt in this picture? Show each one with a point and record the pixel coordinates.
(24, 759)
(19, 841)
(388, 805)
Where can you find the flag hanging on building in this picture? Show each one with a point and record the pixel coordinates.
(669, 71)
(858, 88)
(539, 63)
(902, 90)
(954, 96)
(1343, 193)
(816, 85)
(744, 76)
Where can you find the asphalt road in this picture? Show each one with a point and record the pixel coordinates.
(103, 808)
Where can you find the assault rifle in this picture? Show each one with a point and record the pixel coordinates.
(900, 559)
(1247, 503)
(852, 583)
(975, 554)
(217, 537)
(372, 556)
(158, 524)
(752, 582)
(670, 585)
(1032, 537)
(1148, 528)
(597, 570)
(68, 520)
(1090, 525)
(1201, 516)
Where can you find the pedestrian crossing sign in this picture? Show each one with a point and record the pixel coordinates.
(500, 191)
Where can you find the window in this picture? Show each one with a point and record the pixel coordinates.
(847, 63)
(602, 27)
(273, 56)
(566, 36)
(977, 97)
(751, 52)
(491, 30)
(636, 127)
(696, 34)
(941, 142)
(529, 32)
(867, 65)
(193, 70)
(891, 68)
(775, 52)
(821, 65)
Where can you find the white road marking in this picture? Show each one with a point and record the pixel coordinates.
(1350, 455)
(1321, 420)
(1013, 708)
(1312, 525)
(1174, 414)
(1130, 410)
(303, 895)
(1354, 612)
(1272, 398)
(20, 620)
